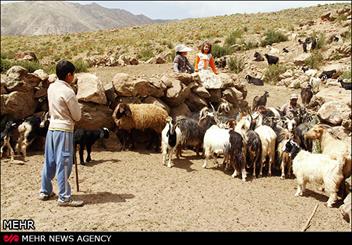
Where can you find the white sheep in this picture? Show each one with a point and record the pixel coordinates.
(310, 167)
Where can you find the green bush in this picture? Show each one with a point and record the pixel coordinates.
(273, 72)
(5, 65)
(315, 60)
(29, 65)
(232, 38)
(145, 54)
(346, 75)
(218, 51)
(273, 37)
(81, 65)
(236, 64)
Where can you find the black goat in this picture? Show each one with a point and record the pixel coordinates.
(327, 74)
(254, 150)
(345, 85)
(86, 138)
(237, 154)
(272, 60)
(306, 94)
(255, 81)
(258, 57)
(285, 50)
(257, 101)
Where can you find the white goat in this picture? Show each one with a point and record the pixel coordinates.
(315, 83)
(319, 168)
(268, 139)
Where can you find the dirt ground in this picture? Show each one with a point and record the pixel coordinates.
(133, 191)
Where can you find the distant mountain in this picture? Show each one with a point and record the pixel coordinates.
(59, 17)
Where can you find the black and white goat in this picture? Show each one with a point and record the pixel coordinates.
(255, 81)
(7, 138)
(170, 137)
(32, 128)
(258, 57)
(86, 138)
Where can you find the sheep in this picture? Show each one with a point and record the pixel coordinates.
(331, 146)
(272, 60)
(29, 130)
(346, 85)
(87, 138)
(268, 139)
(311, 167)
(306, 94)
(170, 137)
(258, 57)
(142, 117)
(255, 81)
(327, 74)
(253, 149)
(257, 101)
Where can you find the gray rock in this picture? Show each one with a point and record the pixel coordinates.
(95, 116)
(90, 89)
(18, 104)
(333, 112)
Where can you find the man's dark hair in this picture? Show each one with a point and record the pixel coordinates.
(64, 67)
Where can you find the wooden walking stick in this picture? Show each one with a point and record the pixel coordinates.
(75, 162)
(310, 218)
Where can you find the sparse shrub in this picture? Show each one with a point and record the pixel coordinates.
(218, 51)
(236, 64)
(315, 60)
(273, 37)
(81, 65)
(273, 72)
(5, 65)
(346, 75)
(250, 45)
(321, 40)
(66, 38)
(231, 39)
(145, 54)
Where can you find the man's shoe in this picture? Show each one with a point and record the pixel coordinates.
(70, 203)
(44, 197)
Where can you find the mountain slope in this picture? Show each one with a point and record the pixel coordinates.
(55, 17)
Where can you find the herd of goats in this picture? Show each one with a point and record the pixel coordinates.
(247, 141)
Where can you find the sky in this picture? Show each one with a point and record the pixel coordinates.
(197, 9)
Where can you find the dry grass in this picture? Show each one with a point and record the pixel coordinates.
(158, 37)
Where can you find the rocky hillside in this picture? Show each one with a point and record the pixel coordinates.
(58, 17)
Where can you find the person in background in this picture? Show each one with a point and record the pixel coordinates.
(204, 59)
(292, 108)
(181, 63)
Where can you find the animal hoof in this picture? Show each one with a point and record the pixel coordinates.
(282, 177)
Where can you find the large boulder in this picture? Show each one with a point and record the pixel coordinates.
(195, 103)
(180, 110)
(90, 89)
(335, 94)
(26, 55)
(95, 116)
(18, 79)
(126, 85)
(41, 74)
(334, 112)
(177, 94)
(300, 60)
(201, 92)
(346, 208)
(232, 95)
(18, 104)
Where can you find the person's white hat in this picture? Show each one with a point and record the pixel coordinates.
(182, 48)
(294, 96)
